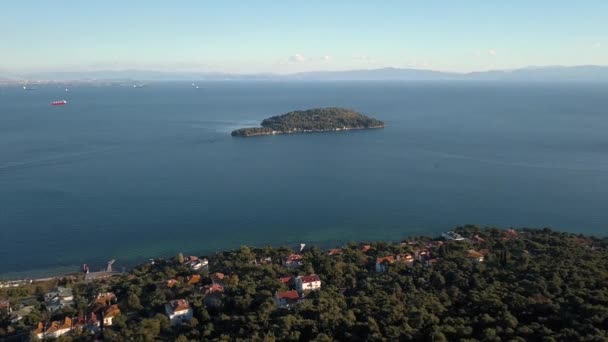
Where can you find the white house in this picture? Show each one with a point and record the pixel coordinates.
(55, 330)
(452, 236)
(308, 283)
(178, 311)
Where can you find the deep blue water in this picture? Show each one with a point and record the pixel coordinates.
(136, 173)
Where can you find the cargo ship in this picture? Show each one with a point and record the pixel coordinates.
(59, 103)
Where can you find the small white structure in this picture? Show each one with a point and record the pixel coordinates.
(452, 236)
(178, 311)
(308, 283)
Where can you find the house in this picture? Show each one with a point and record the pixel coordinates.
(308, 283)
(171, 282)
(195, 263)
(334, 251)
(5, 304)
(382, 263)
(105, 299)
(287, 280)
(178, 311)
(478, 239)
(422, 255)
(20, 314)
(213, 288)
(194, 279)
(285, 299)
(217, 277)
(407, 259)
(293, 261)
(452, 236)
(59, 298)
(55, 329)
(365, 248)
(475, 255)
(109, 314)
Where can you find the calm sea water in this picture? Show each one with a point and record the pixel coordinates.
(137, 173)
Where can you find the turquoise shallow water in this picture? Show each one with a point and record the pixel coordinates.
(131, 174)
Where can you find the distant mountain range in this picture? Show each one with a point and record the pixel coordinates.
(553, 73)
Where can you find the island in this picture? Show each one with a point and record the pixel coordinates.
(311, 120)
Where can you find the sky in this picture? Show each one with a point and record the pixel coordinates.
(252, 36)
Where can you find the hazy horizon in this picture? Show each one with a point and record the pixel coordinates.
(270, 37)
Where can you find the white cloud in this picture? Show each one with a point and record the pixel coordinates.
(597, 45)
(327, 58)
(297, 58)
(492, 52)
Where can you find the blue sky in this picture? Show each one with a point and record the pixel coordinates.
(292, 36)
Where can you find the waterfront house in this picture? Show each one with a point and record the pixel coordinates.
(196, 264)
(382, 263)
(285, 299)
(308, 283)
(293, 261)
(334, 251)
(452, 236)
(178, 311)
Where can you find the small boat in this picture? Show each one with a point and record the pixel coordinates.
(28, 88)
(59, 103)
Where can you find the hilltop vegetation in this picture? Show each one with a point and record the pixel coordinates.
(312, 120)
(531, 285)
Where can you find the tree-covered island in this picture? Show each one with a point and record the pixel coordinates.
(311, 120)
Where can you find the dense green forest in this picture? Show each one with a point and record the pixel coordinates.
(530, 285)
(312, 120)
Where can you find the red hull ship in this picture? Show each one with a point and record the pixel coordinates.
(59, 103)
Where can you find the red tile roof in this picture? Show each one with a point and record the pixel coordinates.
(288, 295)
(286, 279)
(293, 257)
(193, 279)
(112, 311)
(310, 278)
(214, 288)
(389, 259)
(179, 305)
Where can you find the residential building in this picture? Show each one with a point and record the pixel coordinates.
(55, 329)
(382, 263)
(59, 298)
(293, 261)
(20, 314)
(194, 279)
(408, 259)
(452, 236)
(109, 315)
(286, 299)
(308, 283)
(213, 288)
(105, 299)
(475, 255)
(178, 311)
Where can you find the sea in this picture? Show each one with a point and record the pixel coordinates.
(132, 174)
